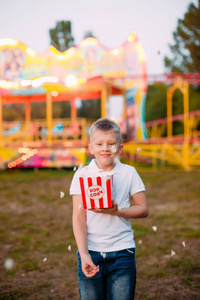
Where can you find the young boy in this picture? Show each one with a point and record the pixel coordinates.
(106, 247)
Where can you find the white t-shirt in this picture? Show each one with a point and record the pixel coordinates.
(106, 233)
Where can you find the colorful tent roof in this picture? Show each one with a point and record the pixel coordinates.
(24, 72)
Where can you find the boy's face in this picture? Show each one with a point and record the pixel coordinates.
(105, 147)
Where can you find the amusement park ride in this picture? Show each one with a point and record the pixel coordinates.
(85, 72)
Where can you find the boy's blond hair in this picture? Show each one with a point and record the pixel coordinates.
(105, 124)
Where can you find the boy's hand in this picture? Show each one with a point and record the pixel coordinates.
(111, 210)
(88, 267)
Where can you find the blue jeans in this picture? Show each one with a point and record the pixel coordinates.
(115, 280)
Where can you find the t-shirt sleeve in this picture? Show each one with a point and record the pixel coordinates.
(75, 185)
(137, 183)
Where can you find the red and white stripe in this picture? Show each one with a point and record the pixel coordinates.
(104, 183)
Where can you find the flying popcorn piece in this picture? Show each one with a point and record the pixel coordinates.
(74, 169)
(139, 242)
(62, 194)
(116, 160)
(114, 149)
(98, 269)
(45, 259)
(138, 149)
(119, 208)
(81, 166)
(103, 254)
(80, 206)
(69, 248)
(173, 253)
(154, 228)
(9, 264)
(183, 243)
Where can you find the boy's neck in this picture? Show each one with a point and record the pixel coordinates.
(106, 168)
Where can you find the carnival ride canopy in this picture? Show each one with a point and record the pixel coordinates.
(24, 72)
(88, 71)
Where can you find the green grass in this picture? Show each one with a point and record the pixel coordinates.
(30, 265)
(14, 295)
(193, 233)
(29, 175)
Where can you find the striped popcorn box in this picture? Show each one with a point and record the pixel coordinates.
(96, 190)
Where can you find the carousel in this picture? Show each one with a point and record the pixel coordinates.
(117, 77)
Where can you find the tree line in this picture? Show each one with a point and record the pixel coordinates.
(185, 58)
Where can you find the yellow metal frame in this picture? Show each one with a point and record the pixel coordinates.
(167, 154)
(49, 118)
(27, 134)
(184, 155)
(182, 85)
(103, 102)
(156, 131)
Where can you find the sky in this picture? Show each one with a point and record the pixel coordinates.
(111, 21)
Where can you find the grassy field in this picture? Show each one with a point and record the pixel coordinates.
(36, 231)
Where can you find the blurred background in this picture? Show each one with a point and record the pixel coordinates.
(64, 64)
